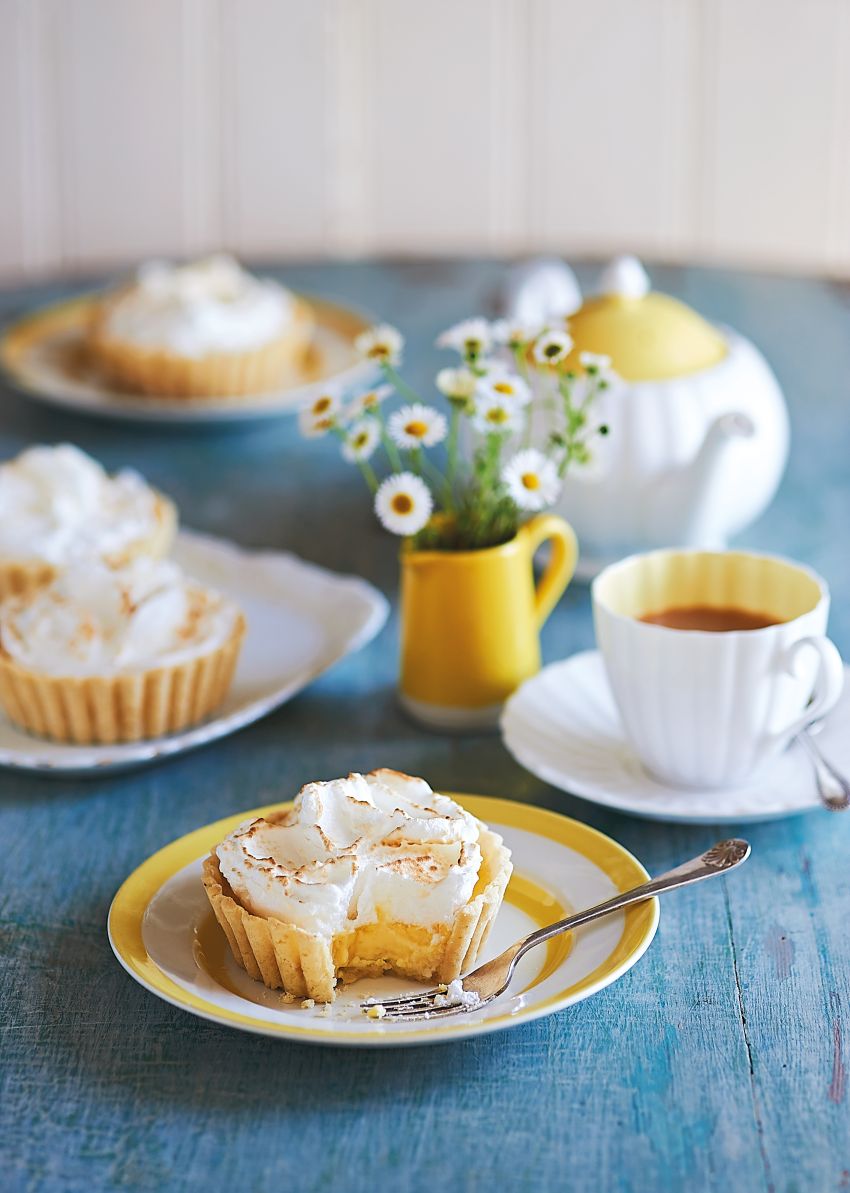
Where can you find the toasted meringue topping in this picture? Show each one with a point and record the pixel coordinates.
(207, 306)
(355, 850)
(57, 504)
(93, 620)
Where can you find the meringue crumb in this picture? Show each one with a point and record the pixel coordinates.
(286, 997)
(376, 1011)
(455, 995)
(308, 1004)
(442, 988)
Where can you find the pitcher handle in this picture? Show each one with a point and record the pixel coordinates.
(828, 684)
(562, 562)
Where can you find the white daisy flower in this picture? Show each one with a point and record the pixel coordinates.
(382, 343)
(457, 384)
(513, 332)
(417, 426)
(531, 480)
(552, 347)
(367, 402)
(497, 414)
(403, 503)
(594, 361)
(471, 338)
(504, 385)
(319, 415)
(361, 439)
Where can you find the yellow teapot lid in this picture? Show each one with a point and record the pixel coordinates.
(649, 336)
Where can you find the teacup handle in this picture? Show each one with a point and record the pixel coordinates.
(829, 682)
(562, 562)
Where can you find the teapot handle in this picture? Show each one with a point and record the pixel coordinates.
(562, 562)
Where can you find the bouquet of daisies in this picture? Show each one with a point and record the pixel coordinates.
(486, 475)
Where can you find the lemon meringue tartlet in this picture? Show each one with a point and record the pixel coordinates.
(202, 330)
(59, 507)
(110, 655)
(360, 876)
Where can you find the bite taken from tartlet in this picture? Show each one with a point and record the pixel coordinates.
(102, 655)
(60, 507)
(360, 876)
(207, 329)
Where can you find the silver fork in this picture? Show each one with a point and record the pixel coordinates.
(492, 978)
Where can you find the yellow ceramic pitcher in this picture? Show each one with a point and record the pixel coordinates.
(470, 623)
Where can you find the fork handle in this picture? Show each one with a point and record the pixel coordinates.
(723, 856)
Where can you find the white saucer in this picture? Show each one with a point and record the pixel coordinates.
(301, 620)
(563, 726)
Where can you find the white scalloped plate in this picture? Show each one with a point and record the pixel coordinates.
(563, 726)
(301, 620)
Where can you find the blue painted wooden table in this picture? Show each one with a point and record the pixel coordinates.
(717, 1063)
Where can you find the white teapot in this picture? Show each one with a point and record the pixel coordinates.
(698, 425)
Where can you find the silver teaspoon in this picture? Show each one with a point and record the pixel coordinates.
(833, 788)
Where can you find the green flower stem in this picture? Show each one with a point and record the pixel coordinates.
(399, 382)
(437, 479)
(387, 443)
(369, 475)
(415, 457)
(391, 450)
(452, 448)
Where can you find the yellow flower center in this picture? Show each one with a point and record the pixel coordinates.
(361, 439)
(402, 503)
(322, 405)
(368, 400)
(379, 350)
(498, 415)
(552, 350)
(503, 387)
(530, 480)
(324, 424)
(416, 428)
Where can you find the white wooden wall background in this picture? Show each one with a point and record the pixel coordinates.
(683, 129)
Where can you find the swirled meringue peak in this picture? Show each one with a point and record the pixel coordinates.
(57, 505)
(206, 306)
(352, 851)
(95, 620)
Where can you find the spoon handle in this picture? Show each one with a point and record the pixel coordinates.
(721, 857)
(833, 788)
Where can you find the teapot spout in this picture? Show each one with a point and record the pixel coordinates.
(689, 500)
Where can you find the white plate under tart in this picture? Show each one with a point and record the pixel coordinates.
(44, 355)
(163, 931)
(301, 619)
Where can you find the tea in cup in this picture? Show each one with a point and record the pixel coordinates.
(716, 659)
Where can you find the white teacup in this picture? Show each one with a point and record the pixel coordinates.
(702, 708)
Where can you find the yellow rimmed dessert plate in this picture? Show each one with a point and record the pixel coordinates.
(163, 932)
(44, 355)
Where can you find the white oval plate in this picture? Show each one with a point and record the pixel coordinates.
(563, 726)
(44, 356)
(163, 932)
(301, 620)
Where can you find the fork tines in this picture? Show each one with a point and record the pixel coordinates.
(414, 1006)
